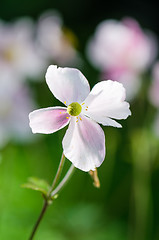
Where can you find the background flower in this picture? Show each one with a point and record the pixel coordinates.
(18, 50)
(16, 101)
(154, 88)
(56, 43)
(122, 52)
(19, 61)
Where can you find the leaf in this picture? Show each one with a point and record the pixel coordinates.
(37, 184)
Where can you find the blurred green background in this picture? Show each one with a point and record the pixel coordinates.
(126, 205)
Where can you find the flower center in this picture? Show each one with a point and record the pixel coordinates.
(74, 109)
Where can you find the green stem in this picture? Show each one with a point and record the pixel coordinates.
(39, 219)
(60, 167)
(52, 192)
(64, 181)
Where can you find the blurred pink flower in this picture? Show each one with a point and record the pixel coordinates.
(19, 59)
(122, 51)
(15, 104)
(18, 52)
(84, 141)
(56, 43)
(154, 88)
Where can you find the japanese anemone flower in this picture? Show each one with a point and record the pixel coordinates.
(84, 141)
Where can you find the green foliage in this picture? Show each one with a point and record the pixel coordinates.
(37, 184)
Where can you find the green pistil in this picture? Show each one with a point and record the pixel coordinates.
(74, 109)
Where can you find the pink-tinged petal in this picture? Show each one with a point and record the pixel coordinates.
(130, 80)
(107, 101)
(67, 84)
(84, 144)
(48, 120)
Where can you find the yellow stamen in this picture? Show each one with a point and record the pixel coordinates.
(67, 117)
(60, 112)
(83, 103)
(64, 102)
(80, 118)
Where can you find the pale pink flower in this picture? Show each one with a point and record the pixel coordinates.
(16, 102)
(56, 43)
(18, 51)
(84, 141)
(121, 49)
(154, 88)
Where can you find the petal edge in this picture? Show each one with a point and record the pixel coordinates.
(48, 120)
(84, 144)
(67, 84)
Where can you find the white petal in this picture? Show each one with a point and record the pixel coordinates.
(48, 120)
(84, 144)
(67, 84)
(106, 101)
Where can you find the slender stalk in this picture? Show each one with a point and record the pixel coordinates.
(64, 181)
(53, 192)
(39, 219)
(60, 167)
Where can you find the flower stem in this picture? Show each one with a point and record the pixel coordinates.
(60, 167)
(52, 192)
(39, 219)
(64, 181)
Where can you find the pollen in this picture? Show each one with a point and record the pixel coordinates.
(74, 109)
(64, 102)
